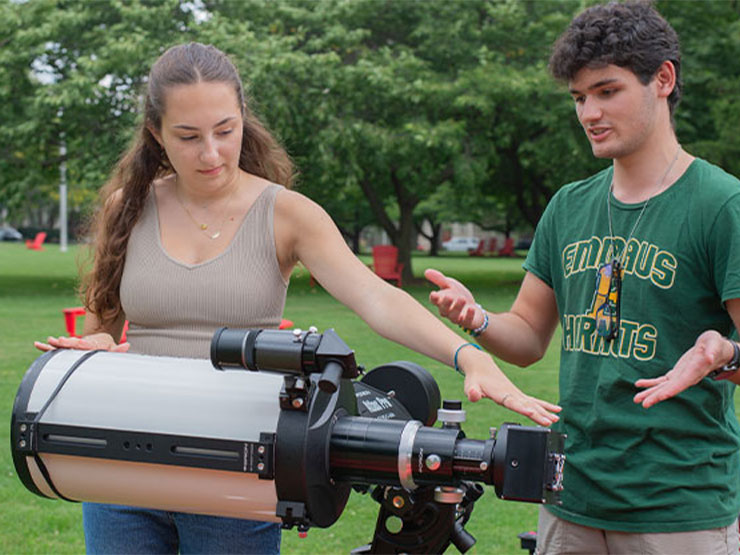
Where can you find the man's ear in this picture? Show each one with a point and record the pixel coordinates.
(665, 79)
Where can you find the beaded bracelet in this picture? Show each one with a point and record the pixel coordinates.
(480, 329)
(457, 351)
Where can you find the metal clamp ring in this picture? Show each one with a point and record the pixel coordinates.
(405, 452)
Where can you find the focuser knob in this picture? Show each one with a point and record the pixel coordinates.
(451, 414)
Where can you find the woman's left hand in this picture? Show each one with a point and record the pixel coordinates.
(483, 381)
(708, 353)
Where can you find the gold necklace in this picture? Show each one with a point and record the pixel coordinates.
(204, 226)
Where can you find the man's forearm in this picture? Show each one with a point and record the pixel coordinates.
(511, 338)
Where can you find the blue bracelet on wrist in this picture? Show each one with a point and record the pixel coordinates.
(457, 351)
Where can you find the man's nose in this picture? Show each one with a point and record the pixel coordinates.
(589, 110)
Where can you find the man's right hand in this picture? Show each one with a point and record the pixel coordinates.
(454, 301)
(96, 341)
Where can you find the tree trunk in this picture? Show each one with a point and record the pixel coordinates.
(435, 240)
(402, 236)
(353, 236)
(533, 205)
(406, 240)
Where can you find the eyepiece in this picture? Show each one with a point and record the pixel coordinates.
(233, 348)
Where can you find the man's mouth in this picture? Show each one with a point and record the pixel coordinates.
(598, 133)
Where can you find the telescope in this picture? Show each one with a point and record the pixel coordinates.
(285, 441)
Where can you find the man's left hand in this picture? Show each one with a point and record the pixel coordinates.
(710, 351)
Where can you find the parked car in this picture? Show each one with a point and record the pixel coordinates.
(8, 233)
(461, 244)
(523, 243)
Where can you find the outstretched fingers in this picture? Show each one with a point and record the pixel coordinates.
(43, 346)
(537, 410)
(437, 278)
(659, 389)
(101, 341)
(60, 342)
(453, 300)
(693, 366)
(541, 412)
(651, 386)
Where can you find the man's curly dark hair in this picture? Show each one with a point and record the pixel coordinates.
(632, 35)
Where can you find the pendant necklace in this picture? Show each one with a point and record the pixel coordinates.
(204, 226)
(607, 305)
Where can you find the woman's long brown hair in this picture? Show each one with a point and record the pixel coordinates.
(123, 196)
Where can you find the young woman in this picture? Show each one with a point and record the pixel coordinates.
(199, 230)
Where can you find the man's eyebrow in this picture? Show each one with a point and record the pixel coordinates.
(190, 127)
(598, 84)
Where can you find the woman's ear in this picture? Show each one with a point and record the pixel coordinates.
(665, 79)
(155, 133)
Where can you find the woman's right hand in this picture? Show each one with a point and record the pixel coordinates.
(93, 342)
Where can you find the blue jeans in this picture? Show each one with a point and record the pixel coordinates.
(119, 529)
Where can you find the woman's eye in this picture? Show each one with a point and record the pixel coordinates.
(187, 138)
(225, 132)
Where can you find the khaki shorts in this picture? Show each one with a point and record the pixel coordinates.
(556, 536)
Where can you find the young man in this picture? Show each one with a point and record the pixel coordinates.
(640, 264)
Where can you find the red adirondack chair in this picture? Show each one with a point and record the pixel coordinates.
(508, 248)
(385, 263)
(479, 250)
(35, 245)
(70, 322)
(491, 248)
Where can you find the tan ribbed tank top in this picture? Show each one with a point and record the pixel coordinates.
(173, 308)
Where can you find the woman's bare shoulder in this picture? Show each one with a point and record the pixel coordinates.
(299, 219)
(294, 204)
(159, 186)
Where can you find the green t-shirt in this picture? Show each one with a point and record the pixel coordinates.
(676, 466)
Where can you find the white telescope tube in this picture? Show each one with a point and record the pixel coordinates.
(158, 396)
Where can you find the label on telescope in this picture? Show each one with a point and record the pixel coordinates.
(375, 405)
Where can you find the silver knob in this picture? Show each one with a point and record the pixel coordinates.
(433, 462)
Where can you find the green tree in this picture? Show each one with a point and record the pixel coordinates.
(394, 111)
(375, 83)
(71, 70)
(708, 116)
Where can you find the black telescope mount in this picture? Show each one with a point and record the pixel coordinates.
(376, 435)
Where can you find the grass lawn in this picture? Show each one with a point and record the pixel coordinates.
(36, 286)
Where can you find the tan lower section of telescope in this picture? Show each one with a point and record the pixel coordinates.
(158, 486)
